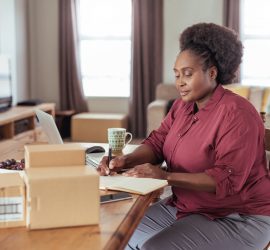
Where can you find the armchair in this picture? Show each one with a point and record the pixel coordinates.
(157, 109)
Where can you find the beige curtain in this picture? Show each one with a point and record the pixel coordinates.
(231, 19)
(147, 42)
(71, 92)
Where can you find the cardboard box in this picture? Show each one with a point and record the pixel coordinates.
(92, 127)
(71, 154)
(12, 200)
(62, 197)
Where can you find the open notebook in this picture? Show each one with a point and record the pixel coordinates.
(131, 184)
(123, 183)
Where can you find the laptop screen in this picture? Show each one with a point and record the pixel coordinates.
(48, 125)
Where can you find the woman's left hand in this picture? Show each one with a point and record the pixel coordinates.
(147, 170)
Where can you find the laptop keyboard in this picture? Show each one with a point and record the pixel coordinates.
(93, 159)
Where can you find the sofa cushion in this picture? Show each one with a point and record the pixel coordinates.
(238, 89)
(266, 101)
(166, 91)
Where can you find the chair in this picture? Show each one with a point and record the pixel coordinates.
(267, 147)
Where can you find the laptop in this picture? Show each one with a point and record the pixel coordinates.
(48, 125)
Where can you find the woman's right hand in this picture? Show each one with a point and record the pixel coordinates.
(115, 165)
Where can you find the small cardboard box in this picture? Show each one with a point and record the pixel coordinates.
(62, 197)
(71, 154)
(12, 200)
(89, 127)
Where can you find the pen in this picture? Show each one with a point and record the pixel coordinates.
(109, 158)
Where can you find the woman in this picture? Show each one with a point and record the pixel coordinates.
(213, 143)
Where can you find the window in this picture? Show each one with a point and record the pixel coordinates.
(105, 46)
(255, 34)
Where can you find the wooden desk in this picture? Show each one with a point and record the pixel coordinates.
(118, 220)
(117, 223)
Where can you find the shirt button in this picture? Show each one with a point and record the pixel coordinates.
(229, 170)
(195, 118)
(179, 135)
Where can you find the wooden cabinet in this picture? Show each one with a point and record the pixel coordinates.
(18, 127)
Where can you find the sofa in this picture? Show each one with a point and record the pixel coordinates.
(156, 110)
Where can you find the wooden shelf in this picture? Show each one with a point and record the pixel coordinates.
(6, 131)
(18, 127)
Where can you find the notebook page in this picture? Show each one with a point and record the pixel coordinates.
(131, 184)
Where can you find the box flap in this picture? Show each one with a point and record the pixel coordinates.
(54, 155)
(11, 180)
(56, 172)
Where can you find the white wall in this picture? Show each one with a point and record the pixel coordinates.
(178, 15)
(43, 48)
(108, 105)
(22, 50)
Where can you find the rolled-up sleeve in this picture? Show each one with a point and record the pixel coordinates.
(157, 137)
(236, 152)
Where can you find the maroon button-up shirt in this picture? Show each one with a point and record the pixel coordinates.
(225, 139)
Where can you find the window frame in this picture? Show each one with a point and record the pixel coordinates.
(243, 38)
(82, 38)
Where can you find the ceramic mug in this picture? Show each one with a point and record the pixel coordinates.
(117, 138)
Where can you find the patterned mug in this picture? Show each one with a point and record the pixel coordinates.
(117, 138)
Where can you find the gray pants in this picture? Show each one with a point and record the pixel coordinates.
(160, 230)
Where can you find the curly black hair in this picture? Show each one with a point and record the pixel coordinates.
(217, 46)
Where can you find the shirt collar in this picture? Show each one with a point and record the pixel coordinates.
(214, 99)
(212, 102)
(189, 108)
